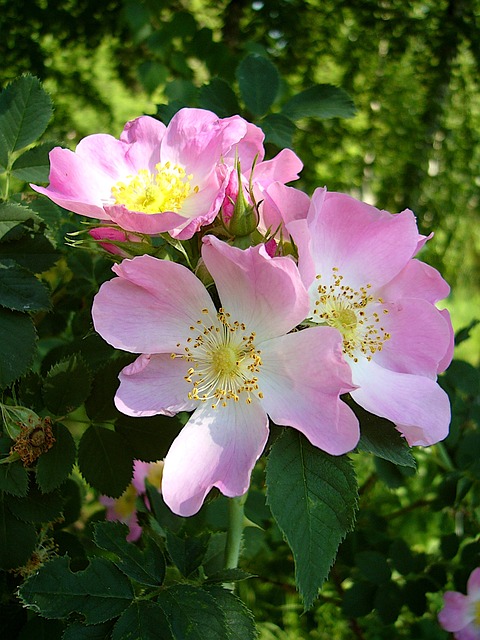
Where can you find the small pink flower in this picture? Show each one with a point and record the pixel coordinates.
(358, 264)
(231, 366)
(124, 508)
(154, 178)
(103, 234)
(460, 613)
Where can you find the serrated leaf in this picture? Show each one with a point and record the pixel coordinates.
(36, 507)
(278, 130)
(149, 439)
(320, 101)
(34, 164)
(373, 566)
(14, 479)
(25, 110)
(17, 345)
(313, 498)
(219, 97)
(193, 614)
(240, 622)
(142, 621)
(17, 539)
(379, 436)
(32, 250)
(54, 466)
(228, 575)
(259, 82)
(105, 461)
(20, 290)
(78, 631)
(67, 385)
(13, 214)
(145, 566)
(99, 593)
(187, 553)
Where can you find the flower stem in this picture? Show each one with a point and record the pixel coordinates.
(236, 523)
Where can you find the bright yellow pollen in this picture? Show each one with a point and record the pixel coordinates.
(223, 361)
(164, 190)
(350, 311)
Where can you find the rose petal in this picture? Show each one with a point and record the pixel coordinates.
(456, 611)
(416, 280)
(216, 448)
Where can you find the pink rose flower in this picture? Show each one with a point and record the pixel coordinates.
(154, 178)
(357, 262)
(460, 613)
(124, 508)
(231, 367)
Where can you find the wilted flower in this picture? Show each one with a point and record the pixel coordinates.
(231, 366)
(357, 262)
(460, 613)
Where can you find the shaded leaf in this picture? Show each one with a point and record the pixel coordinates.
(320, 101)
(143, 621)
(67, 385)
(149, 439)
(41, 629)
(219, 97)
(32, 250)
(17, 345)
(34, 164)
(78, 631)
(240, 622)
(17, 539)
(36, 507)
(54, 466)
(259, 82)
(20, 290)
(14, 479)
(278, 130)
(145, 566)
(313, 498)
(99, 593)
(105, 461)
(187, 553)
(13, 214)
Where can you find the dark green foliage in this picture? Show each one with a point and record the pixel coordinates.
(54, 466)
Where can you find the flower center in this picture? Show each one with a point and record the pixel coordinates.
(223, 361)
(164, 190)
(355, 313)
(125, 504)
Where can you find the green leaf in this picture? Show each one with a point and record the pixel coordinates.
(228, 575)
(41, 629)
(142, 620)
(14, 479)
(20, 290)
(146, 567)
(373, 566)
(25, 110)
(358, 600)
(54, 466)
(148, 439)
(219, 97)
(187, 553)
(17, 540)
(193, 614)
(32, 250)
(105, 461)
(34, 164)
(259, 82)
(67, 385)
(320, 101)
(36, 507)
(17, 345)
(152, 74)
(278, 130)
(13, 214)
(99, 593)
(313, 498)
(379, 436)
(240, 622)
(78, 631)
(388, 602)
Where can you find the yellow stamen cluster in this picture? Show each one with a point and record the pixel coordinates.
(164, 190)
(125, 504)
(346, 309)
(223, 360)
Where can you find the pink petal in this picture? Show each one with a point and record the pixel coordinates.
(248, 149)
(106, 154)
(447, 358)
(281, 205)
(368, 246)
(417, 405)
(301, 378)
(470, 632)
(144, 136)
(216, 448)
(76, 184)
(150, 306)
(416, 280)
(138, 222)
(196, 139)
(140, 472)
(455, 614)
(264, 293)
(420, 337)
(154, 385)
(284, 167)
(473, 585)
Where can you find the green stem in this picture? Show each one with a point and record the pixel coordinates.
(236, 523)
